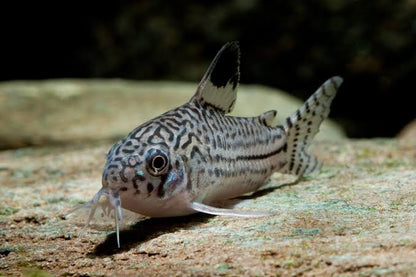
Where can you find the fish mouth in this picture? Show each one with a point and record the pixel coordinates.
(113, 204)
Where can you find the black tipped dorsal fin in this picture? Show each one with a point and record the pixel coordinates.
(218, 87)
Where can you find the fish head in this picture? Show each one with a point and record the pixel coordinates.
(146, 177)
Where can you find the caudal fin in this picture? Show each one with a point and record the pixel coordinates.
(302, 126)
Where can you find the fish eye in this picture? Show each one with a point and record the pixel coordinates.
(157, 162)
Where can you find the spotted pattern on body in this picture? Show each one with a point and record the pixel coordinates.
(188, 158)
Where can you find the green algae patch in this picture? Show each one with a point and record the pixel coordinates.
(8, 210)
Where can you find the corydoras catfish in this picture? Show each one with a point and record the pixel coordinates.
(189, 158)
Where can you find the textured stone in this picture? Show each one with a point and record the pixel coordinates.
(356, 217)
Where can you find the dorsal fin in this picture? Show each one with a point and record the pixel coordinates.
(218, 87)
(267, 118)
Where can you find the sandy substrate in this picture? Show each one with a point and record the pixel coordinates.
(356, 217)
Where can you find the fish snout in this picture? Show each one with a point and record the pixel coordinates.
(119, 172)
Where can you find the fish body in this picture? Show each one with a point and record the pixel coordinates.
(189, 158)
(212, 157)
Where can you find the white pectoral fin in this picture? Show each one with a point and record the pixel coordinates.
(199, 207)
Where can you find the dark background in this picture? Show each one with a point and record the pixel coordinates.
(293, 45)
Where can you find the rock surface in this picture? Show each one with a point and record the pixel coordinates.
(408, 133)
(356, 217)
(67, 111)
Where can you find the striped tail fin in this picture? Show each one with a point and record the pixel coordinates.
(302, 126)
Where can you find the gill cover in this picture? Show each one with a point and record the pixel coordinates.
(175, 180)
